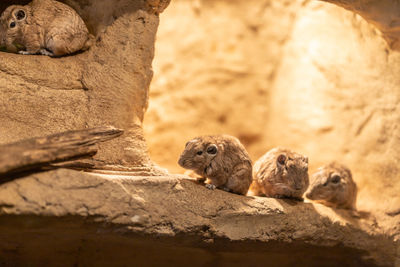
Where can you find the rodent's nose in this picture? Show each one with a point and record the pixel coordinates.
(298, 186)
(181, 162)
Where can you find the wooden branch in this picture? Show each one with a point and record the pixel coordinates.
(36, 153)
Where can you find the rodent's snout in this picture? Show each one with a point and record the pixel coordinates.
(309, 194)
(181, 162)
(298, 186)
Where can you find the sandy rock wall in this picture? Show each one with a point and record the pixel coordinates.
(308, 75)
(337, 98)
(383, 14)
(107, 85)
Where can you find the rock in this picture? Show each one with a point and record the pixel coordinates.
(82, 218)
(383, 14)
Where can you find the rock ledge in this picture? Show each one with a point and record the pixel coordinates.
(83, 218)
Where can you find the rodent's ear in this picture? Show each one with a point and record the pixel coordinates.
(335, 178)
(191, 141)
(212, 149)
(281, 159)
(19, 14)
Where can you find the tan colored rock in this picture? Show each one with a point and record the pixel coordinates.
(107, 85)
(81, 217)
(384, 14)
(336, 98)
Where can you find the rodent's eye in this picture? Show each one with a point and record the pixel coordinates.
(335, 179)
(199, 152)
(281, 159)
(12, 24)
(212, 149)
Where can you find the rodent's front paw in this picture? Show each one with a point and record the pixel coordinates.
(226, 189)
(46, 52)
(211, 186)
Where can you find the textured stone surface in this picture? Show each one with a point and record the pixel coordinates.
(107, 85)
(337, 98)
(75, 217)
(306, 75)
(384, 14)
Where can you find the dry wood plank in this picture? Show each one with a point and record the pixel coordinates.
(36, 153)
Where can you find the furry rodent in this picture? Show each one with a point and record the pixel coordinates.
(280, 173)
(333, 186)
(45, 27)
(221, 159)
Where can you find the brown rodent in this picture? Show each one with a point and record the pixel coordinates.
(221, 159)
(333, 186)
(280, 173)
(44, 27)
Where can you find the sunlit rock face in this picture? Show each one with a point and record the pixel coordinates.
(307, 75)
(384, 14)
(336, 97)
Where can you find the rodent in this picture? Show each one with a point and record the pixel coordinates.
(333, 186)
(221, 159)
(45, 27)
(280, 173)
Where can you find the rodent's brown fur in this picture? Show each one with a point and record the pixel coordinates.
(287, 178)
(325, 190)
(230, 168)
(47, 27)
